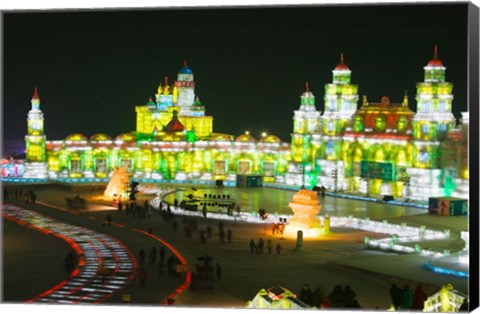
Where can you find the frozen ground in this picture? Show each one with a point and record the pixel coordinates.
(338, 259)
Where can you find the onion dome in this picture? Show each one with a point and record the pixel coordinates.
(245, 138)
(76, 140)
(100, 140)
(174, 125)
(126, 137)
(185, 69)
(76, 137)
(435, 62)
(341, 66)
(307, 92)
(100, 137)
(270, 139)
(220, 137)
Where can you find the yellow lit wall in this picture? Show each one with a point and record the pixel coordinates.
(53, 158)
(148, 120)
(35, 149)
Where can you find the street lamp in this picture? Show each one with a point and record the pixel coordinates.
(301, 171)
(334, 174)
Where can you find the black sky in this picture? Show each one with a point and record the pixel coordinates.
(93, 67)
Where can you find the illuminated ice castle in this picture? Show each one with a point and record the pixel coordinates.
(381, 148)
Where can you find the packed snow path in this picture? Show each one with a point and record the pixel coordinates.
(104, 267)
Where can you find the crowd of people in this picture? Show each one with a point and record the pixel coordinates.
(169, 266)
(339, 297)
(17, 193)
(257, 247)
(405, 298)
(134, 209)
(151, 258)
(344, 297)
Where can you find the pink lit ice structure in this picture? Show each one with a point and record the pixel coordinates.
(117, 186)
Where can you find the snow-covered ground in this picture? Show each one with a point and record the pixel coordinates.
(340, 258)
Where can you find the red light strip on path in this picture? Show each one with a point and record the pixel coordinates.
(75, 246)
(131, 276)
(89, 240)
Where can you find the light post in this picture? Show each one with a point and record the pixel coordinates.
(368, 184)
(301, 171)
(409, 190)
(367, 180)
(334, 174)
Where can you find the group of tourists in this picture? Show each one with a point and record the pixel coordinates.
(135, 210)
(339, 297)
(28, 197)
(278, 228)
(260, 244)
(406, 298)
(151, 257)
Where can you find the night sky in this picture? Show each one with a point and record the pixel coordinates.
(250, 65)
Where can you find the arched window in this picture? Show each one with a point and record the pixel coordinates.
(330, 126)
(330, 148)
(423, 155)
(402, 124)
(357, 124)
(425, 129)
(380, 123)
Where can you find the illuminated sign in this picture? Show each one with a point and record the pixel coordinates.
(377, 170)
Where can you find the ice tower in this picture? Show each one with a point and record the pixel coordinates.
(36, 159)
(186, 90)
(341, 101)
(305, 124)
(431, 125)
(179, 96)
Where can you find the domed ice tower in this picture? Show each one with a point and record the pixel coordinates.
(180, 97)
(305, 124)
(186, 90)
(35, 142)
(431, 125)
(341, 102)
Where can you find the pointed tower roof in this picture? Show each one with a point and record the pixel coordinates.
(155, 131)
(405, 99)
(197, 101)
(307, 92)
(150, 102)
(35, 100)
(435, 62)
(185, 69)
(174, 125)
(166, 88)
(35, 94)
(341, 66)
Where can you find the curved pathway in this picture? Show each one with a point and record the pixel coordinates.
(95, 251)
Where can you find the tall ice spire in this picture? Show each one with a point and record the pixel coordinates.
(35, 100)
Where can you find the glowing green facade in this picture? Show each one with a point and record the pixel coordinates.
(381, 148)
